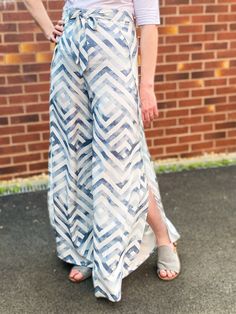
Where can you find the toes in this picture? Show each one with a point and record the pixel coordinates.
(173, 273)
(72, 272)
(75, 274)
(169, 274)
(78, 276)
(163, 273)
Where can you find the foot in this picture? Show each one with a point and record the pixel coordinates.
(75, 275)
(164, 272)
(79, 273)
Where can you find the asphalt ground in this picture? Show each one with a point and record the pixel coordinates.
(201, 204)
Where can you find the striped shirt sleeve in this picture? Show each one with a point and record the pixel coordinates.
(147, 12)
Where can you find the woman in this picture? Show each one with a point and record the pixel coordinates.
(104, 202)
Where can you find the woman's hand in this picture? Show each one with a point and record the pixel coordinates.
(148, 103)
(57, 31)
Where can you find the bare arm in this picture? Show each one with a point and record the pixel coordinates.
(40, 15)
(148, 50)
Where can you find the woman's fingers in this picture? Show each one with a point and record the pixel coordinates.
(60, 22)
(156, 112)
(151, 115)
(148, 115)
(59, 28)
(56, 32)
(53, 38)
(146, 118)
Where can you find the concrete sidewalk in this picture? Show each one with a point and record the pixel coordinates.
(201, 204)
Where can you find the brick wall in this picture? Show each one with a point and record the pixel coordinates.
(195, 84)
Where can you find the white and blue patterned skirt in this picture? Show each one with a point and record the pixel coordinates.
(100, 169)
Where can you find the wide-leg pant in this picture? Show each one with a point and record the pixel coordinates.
(100, 169)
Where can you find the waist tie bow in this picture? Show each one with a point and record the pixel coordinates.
(79, 40)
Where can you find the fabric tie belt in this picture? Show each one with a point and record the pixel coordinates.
(88, 18)
(79, 40)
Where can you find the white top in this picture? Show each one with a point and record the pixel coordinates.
(145, 11)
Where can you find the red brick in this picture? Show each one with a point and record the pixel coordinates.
(7, 69)
(201, 128)
(202, 55)
(10, 90)
(25, 138)
(226, 107)
(38, 165)
(165, 141)
(18, 79)
(202, 74)
(156, 151)
(190, 138)
(177, 130)
(226, 142)
(177, 94)
(203, 37)
(208, 136)
(202, 145)
(177, 113)
(190, 29)
(190, 120)
(203, 92)
(214, 117)
(24, 119)
(225, 125)
(37, 88)
(8, 27)
(26, 158)
(13, 169)
(13, 149)
(12, 38)
(4, 161)
(23, 99)
(216, 8)
(214, 100)
(4, 140)
(37, 127)
(12, 129)
(8, 110)
(215, 82)
(190, 102)
(36, 108)
(191, 9)
(38, 146)
(177, 148)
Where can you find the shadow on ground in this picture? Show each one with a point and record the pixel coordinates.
(201, 204)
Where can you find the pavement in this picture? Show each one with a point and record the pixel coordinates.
(201, 204)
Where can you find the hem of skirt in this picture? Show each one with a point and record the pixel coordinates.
(65, 259)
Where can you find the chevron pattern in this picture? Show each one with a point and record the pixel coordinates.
(100, 169)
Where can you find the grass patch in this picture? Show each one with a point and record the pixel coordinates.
(176, 167)
(37, 183)
(22, 185)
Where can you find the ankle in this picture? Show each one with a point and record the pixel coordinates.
(160, 242)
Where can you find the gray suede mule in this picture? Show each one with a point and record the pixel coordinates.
(85, 271)
(168, 259)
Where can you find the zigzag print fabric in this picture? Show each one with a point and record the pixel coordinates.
(100, 169)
